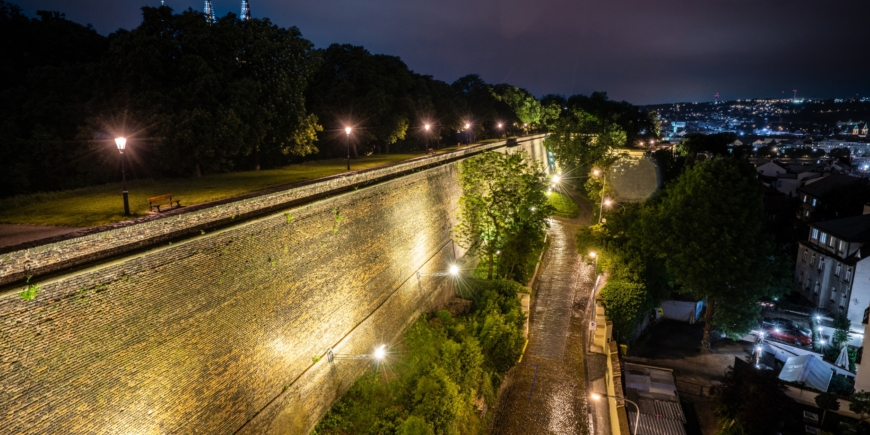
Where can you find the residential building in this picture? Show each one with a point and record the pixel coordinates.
(812, 193)
(832, 269)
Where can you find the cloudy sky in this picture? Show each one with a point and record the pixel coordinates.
(636, 50)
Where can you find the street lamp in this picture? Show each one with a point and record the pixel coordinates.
(121, 143)
(426, 128)
(347, 145)
(557, 178)
(501, 127)
(596, 396)
(596, 172)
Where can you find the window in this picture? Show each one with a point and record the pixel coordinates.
(831, 242)
(848, 275)
(824, 238)
(805, 198)
(815, 231)
(807, 214)
(807, 285)
(821, 264)
(842, 246)
(837, 270)
(813, 259)
(818, 287)
(805, 255)
(814, 202)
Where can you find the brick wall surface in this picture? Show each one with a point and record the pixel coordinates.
(217, 333)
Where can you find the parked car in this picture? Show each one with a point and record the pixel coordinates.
(788, 324)
(787, 335)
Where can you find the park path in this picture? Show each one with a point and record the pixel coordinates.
(14, 234)
(547, 392)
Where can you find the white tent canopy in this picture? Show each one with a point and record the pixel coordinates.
(808, 369)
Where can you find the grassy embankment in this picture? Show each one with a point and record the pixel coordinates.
(445, 369)
(99, 205)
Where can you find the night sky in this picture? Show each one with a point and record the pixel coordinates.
(638, 50)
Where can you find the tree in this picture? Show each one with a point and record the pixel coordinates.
(710, 229)
(827, 402)
(859, 403)
(524, 105)
(415, 425)
(756, 399)
(581, 141)
(502, 197)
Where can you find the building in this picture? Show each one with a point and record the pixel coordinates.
(654, 392)
(812, 193)
(832, 269)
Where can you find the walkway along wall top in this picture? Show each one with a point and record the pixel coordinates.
(226, 332)
(76, 249)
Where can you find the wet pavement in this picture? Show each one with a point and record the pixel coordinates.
(547, 392)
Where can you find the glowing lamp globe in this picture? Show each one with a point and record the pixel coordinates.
(121, 143)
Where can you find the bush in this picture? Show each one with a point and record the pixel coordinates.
(624, 302)
(564, 205)
(447, 363)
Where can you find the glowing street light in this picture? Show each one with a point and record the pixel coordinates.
(596, 396)
(608, 202)
(556, 178)
(121, 143)
(453, 270)
(592, 254)
(347, 145)
(426, 127)
(379, 354)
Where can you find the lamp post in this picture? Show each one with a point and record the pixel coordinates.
(596, 172)
(501, 127)
(426, 127)
(467, 133)
(347, 145)
(596, 396)
(121, 143)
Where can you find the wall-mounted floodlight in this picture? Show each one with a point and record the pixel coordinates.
(379, 354)
(453, 270)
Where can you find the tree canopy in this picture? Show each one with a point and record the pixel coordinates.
(503, 206)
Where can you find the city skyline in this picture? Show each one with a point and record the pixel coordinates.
(645, 54)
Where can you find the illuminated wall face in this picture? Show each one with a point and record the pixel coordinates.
(218, 333)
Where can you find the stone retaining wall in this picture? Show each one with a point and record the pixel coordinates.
(220, 332)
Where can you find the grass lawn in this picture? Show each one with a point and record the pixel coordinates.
(564, 205)
(99, 205)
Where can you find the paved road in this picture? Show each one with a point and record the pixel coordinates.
(546, 392)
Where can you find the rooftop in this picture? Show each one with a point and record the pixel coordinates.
(655, 393)
(852, 229)
(821, 187)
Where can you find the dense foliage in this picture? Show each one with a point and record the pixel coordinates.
(444, 370)
(754, 399)
(503, 209)
(195, 97)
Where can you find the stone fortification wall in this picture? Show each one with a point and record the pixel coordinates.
(219, 333)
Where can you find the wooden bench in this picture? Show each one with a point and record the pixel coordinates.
(157, 201)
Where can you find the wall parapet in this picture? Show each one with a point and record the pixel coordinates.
(94, 244)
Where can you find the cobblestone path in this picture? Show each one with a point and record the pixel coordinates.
(546, 392)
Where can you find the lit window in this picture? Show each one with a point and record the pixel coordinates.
(814, 202)
(821, 264)
(837, 270)
(831, 242)
(842, 246)
(824, 238)
(805, 198)
(848, 274)
(815, 231)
